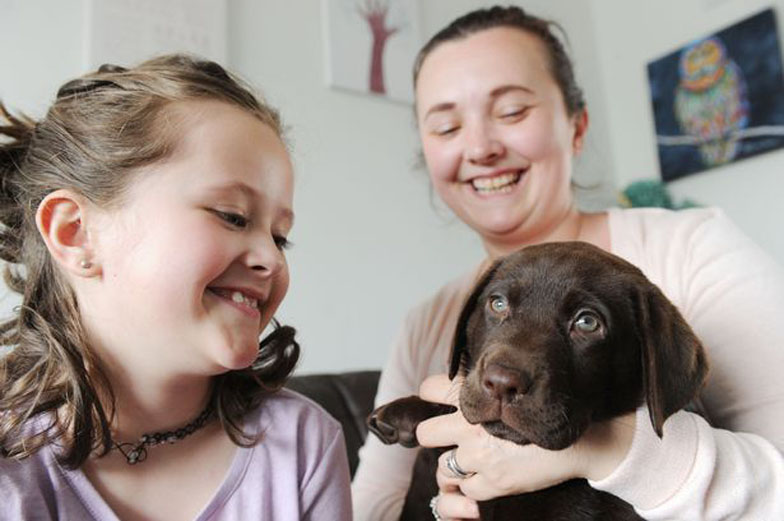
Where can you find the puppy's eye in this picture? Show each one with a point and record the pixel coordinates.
(587, 322)
(499, 304)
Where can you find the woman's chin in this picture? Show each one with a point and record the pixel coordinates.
(497, 227)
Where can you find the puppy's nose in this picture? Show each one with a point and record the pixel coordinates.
(504, 383)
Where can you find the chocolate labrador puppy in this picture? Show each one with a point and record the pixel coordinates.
(552, 338)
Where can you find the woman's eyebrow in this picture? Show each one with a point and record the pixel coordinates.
(496, 92)
(503, 89)
(439, 107)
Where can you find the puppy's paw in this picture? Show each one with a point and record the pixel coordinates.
(396, 422)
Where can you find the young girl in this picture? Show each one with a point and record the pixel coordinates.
(144, 221)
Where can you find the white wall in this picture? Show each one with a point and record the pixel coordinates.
(631, 34)
(40, 47)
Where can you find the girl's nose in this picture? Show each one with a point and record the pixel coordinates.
(264, 256)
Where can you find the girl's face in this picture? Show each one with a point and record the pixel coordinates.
(496, 135)
(192, 263)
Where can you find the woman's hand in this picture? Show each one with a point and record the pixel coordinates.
(503, 468)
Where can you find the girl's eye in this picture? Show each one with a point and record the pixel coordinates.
(282, 243)
(234, 219)
(499, 304)
(587, 322)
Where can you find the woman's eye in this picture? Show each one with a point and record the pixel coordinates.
(446, 130)
(234, 219)
(513, 113)
(499, 304)
(587, 322)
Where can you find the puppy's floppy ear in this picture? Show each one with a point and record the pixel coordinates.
(674, 365)
(461, 334)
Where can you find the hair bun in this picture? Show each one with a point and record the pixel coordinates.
(110, 67)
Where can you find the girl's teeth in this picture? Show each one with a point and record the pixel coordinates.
(239, 298)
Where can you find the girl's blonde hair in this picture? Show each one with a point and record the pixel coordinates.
(100, 130)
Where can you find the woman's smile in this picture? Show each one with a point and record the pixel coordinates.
(498, 183)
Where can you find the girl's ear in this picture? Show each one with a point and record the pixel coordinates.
(61, 221)
(580, 129)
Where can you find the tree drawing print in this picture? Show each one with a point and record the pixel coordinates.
(374, 12)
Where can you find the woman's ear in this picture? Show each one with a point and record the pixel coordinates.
(61, 221)
(580, 130)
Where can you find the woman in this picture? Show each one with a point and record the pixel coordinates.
(501, 118)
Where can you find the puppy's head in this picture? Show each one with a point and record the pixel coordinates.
(558, 335)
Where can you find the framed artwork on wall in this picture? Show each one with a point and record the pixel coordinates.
(720, 98)
(371, 45)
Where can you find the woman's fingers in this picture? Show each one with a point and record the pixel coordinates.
(439, 388)
(455, 506)
(443, 431)
(448, 472)
(449, 429)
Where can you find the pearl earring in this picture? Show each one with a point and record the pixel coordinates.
(85, 264)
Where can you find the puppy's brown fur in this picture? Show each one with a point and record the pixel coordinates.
(554, 337)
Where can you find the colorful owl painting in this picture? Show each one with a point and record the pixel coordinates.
(711, 104)
(719, 99)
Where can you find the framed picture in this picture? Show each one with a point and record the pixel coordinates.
(371, 46)
(720, 98)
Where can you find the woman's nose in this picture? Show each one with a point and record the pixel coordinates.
(482, 147)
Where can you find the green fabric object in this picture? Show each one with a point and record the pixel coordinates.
(650, 193)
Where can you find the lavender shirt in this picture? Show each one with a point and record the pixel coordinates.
(298, 471)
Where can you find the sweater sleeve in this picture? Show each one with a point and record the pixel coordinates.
(732, 294)
(384, 473)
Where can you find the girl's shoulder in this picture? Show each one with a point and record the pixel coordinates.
(289, 413)
(32, 486)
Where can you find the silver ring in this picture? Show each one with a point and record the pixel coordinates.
(434, 508)
(454, 468)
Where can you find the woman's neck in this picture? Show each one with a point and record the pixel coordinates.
(572, 225)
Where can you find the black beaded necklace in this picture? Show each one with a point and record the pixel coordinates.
(137, 452)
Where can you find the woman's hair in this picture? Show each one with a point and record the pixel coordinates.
(516, 18)
(100, 130)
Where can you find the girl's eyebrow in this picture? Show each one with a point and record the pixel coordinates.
(496, 92)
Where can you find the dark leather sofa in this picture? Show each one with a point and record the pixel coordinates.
(348, 397)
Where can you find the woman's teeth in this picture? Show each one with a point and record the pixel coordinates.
(497, 184)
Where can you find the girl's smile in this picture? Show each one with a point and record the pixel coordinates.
(240, 299)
